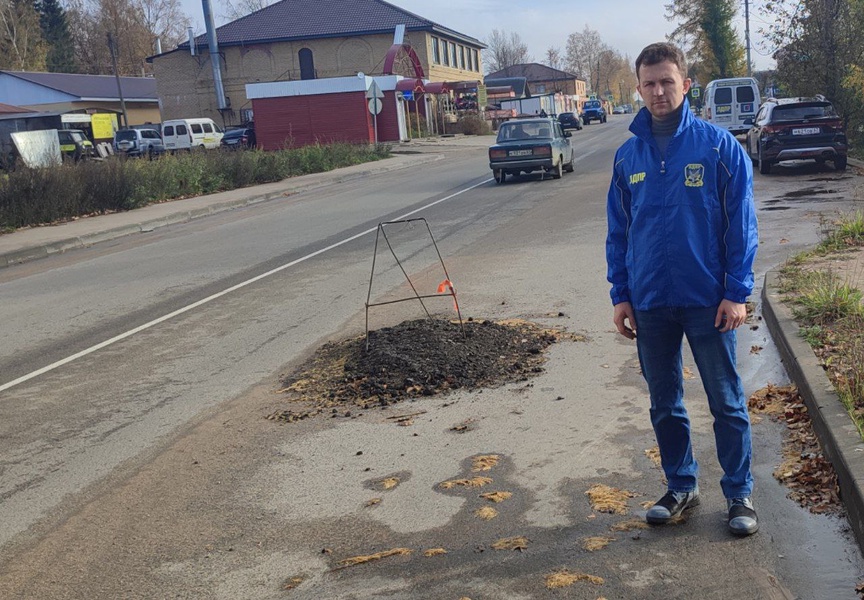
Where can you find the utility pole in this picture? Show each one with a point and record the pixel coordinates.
(747, 34)
(117, 77)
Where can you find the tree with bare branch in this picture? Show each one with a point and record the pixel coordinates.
(22, 47)
(505, 50)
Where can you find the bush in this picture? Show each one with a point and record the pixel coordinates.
(36, 196)
(474, 125)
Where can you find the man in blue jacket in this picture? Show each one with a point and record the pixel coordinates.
(680, 248)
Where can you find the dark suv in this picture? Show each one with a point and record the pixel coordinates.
(570, 120)
(797, 128)
(593, 110)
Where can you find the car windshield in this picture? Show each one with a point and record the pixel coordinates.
(797, 112)
(565, 116)
(77, 136)
(125, 136)
(235, 133)
(593, 104)
(530, 130)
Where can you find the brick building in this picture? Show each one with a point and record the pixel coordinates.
(544, 80)
(306, 39)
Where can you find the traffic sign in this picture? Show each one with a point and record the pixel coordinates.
(695, 92)
(374, 91)
(375, 105)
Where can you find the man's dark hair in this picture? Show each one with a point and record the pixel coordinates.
(657, 53)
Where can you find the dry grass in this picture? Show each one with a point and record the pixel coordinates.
(511, 543)
(484, 463)
(608, 499)
(592, 544)
(372, 502)
(565, 578)
(487, 513)
(473, 482)
(291, 583)
(629, 525)
(654, 455)
(389, 483)
(496, 496)
(434, 552)
(359, 560)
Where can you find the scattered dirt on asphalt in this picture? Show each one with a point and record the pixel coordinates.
(434, 552)
(417, 358)
(473, 482)
(805, 470)
(496, 496)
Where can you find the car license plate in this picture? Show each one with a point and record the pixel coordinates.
(520, 153)
(805, 131)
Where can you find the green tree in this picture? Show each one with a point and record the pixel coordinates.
(55, 31)
(705, 31)
(21, 45)
(819, 51)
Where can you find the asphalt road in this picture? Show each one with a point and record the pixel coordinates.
(144, 467)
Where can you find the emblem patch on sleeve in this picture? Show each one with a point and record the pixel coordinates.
(694, 175)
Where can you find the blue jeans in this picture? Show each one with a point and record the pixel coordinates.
(659, 337)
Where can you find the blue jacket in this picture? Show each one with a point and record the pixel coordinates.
(682, 232)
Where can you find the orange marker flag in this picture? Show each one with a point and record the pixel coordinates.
(447, 286)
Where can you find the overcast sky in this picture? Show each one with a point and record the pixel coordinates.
(626, 25)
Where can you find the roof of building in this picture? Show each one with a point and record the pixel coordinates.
(533, 72)
(310, 19)
(8, 109)
(519, 85)
(92, 87)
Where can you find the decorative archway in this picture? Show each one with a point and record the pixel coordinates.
(408, 52)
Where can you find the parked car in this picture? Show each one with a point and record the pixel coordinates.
(242, 137)
(593, 110)
(74, 144)
(138, 142)
(619, 110)
(529, 145)
(190, 134)
(570, 120)
(797, 128)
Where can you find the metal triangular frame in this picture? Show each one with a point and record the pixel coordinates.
(451, 291)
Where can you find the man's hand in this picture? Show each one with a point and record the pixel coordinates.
(623, 315)
(730, 315)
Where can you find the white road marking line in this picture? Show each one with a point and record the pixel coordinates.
(208, 299)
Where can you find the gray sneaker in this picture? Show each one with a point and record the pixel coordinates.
(671, 505)
(742, 517)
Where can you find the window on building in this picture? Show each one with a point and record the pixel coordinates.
(307, 64)
(445, 50)
(540, 88)
(476, 60)
(436, 51)
(453, 55)
(461, 57)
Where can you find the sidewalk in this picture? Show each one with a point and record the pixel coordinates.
(39, 242)
(839, 438)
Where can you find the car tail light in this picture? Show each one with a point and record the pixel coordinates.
(542, 150)
(497, 154)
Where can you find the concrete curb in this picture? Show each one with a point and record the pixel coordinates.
(839, 437)
(182, 215)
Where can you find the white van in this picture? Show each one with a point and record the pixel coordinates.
(732, 103)
(190, 134)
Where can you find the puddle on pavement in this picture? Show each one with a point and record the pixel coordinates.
(807, 192)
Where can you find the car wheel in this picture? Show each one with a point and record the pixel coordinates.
(500, 175)
(570, 167)
(764, 165)
(558, 170)
(750, 153)
(840, 163)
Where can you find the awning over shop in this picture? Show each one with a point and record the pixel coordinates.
(438, 87)
(410, 85)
